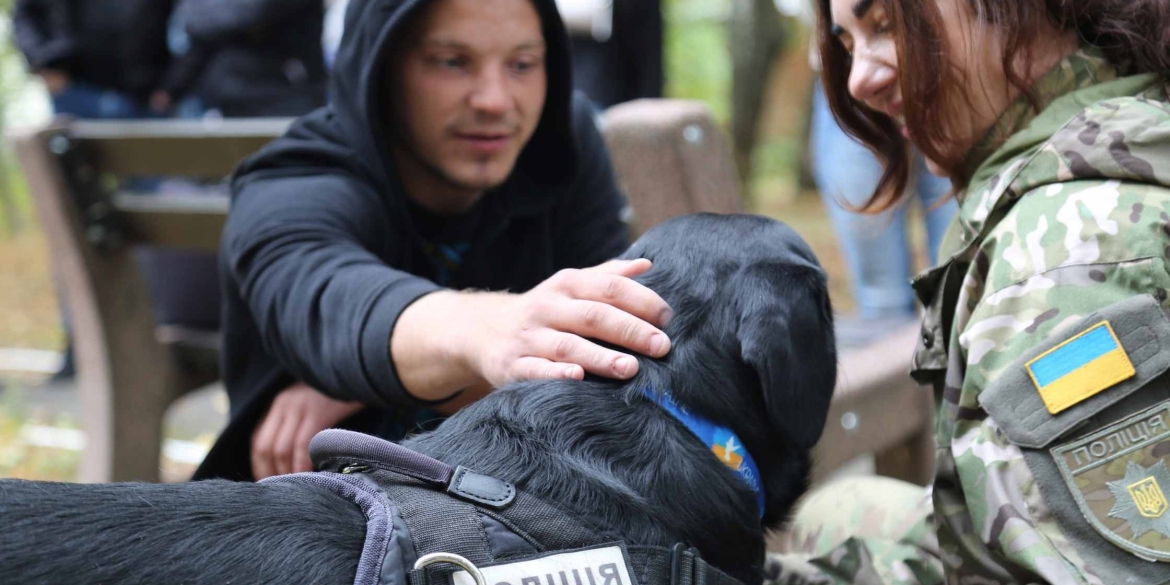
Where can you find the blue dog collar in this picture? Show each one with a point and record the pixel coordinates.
(724, 443)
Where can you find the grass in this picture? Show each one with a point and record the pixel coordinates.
(20, 459)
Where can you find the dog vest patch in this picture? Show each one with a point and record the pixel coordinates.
(1080, 368)
(1121, 482)
(596, 566)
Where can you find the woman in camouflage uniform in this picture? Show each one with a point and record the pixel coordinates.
(1045, 336)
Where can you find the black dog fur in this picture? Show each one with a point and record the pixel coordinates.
(753, 350)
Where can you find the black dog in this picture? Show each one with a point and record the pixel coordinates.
(753, 351)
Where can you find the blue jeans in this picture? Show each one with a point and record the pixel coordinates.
(876, 247)
(90, 102)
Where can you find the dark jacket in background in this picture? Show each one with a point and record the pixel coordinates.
(252, 57)
(628, 65)
(114, 44)
(322, 251)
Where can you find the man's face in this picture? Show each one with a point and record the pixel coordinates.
(470, 88)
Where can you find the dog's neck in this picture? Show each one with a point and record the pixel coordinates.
(724, 443)
(605, 452)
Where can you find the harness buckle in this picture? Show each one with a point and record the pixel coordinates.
(683, 566)
(454, 559)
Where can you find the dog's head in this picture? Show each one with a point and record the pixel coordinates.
(752, 338)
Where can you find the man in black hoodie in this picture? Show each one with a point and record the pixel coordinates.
(452, 157)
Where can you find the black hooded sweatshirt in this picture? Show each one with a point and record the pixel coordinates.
(323, 251)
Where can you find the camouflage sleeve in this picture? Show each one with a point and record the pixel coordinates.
(1061, 254)
(859, 530)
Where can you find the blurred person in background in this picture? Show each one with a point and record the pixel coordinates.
(232, 59)
(877, 247)
(245, 58)
(617, 48)
(99, 59)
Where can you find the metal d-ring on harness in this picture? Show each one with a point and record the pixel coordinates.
(442, 557)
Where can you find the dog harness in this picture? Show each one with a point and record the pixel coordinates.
(428, 523)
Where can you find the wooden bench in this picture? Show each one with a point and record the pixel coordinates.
(670, 158)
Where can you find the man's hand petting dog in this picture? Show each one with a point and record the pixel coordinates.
(543, 334)
(493, 339)
(280, 444)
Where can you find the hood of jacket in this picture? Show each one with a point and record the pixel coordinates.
(351, 134)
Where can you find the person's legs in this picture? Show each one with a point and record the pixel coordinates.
(89, 102)
(77, 100)
(875, 247)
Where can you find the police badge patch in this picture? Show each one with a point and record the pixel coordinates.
(1119, 478)
(1140, 499)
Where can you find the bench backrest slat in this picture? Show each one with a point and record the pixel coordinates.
(175, 148)
(191, 222)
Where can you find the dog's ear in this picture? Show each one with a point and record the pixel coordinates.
(785, 334)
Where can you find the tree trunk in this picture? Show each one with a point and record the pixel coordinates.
(757, 36)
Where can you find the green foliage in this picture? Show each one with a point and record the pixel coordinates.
(698, 60)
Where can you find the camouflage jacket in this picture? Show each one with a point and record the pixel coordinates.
(1062, 241)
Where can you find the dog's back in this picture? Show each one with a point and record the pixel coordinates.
(204, 532)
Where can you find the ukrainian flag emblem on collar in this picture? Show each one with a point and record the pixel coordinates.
(1080, 368)
(724, 443)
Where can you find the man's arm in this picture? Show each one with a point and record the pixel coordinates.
(218, 21)
(301, 250)
(44, 33)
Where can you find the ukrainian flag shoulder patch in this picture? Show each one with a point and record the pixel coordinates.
(1080, 367)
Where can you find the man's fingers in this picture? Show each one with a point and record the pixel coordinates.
(282, 448)
(536, 368)
(262, 443)
(567, 348)
(623, 293)
(626, 268)
(596, 320)
(300, 457)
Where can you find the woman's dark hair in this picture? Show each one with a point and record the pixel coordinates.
(1133, 34)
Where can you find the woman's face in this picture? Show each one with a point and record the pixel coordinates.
(865, 30)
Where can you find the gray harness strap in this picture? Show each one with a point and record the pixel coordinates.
(675, 566)
(437, 522)
(545, 524)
